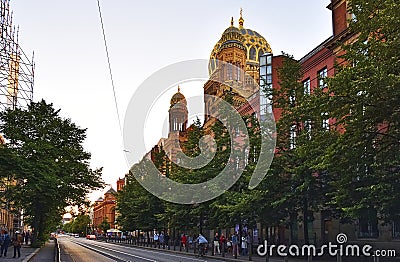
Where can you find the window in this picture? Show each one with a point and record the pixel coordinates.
(306, 85)
(292, 98)
(322, 75)
(292, 138)
(325, 120)
(307, 128)
(238, 71)
(252, 53)
(269, 69)
(229, 72)
(368, 224)
(353, 17)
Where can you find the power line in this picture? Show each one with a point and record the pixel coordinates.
(109, 67)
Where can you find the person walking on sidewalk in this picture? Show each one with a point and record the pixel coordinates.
(6, 243)
(235, 243)
(222, 243)
(244, 246)
(216, 244)
(183, 241)
(17, 241)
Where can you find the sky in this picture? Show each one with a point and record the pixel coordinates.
(142, 36)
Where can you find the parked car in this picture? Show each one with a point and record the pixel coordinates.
(92, 237)
(76, 235)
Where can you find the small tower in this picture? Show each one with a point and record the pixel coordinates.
(178, 113)
(241, 20)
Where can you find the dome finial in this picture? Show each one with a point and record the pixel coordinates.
(241, 20)
(232, 21)
(179, 89)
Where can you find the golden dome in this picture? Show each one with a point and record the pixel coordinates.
(254, 44)
(178, 98)
(231, 35)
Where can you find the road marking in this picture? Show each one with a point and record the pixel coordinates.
(114, 250)
(164, 253)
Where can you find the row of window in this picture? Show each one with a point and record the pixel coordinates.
(307, 128)
(321, 76)
(233, 73)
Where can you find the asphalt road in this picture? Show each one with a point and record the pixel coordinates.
(80, 249)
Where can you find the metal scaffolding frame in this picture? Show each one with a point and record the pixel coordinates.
(16, 91)
(16, 69)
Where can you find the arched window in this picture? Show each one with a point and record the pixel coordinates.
(252, 53)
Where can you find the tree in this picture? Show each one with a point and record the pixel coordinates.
(298, 169)
(137, 208)
(105, 225)
(78, 225)
(47, 165)
(366, 107)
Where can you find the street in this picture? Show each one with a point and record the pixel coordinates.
(80, 249)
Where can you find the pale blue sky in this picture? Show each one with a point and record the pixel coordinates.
(143, 36)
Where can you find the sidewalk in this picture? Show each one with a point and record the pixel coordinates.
(44, 254)
(26, 253)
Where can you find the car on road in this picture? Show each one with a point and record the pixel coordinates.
(91, 237)
(76, 235)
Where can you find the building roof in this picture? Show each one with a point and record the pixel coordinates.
(178, 97)
(111, 191)
(253, 42)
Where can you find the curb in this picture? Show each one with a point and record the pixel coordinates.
(28, 258)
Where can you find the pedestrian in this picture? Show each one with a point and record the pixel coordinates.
(222, 242)
(229, 244)
(17, 241)
(6, 243)
(235, 242)
(1, 241)
(244, 246)
(161, 239)
(166, 239)
(27, 237)
(190, 241)
(216, 244)
(156, 238)
(183, 241)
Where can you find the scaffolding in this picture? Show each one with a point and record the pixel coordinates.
(16, 91)
(16, 69)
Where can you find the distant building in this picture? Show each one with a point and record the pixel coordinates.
(104, 209)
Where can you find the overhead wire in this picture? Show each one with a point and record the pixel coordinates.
(109, 68)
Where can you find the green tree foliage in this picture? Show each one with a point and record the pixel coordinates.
(298, 169)
(366, 90)
(44, 166)
(79, 225)
(105, 225)
(137, 208)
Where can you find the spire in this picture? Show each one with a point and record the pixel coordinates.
(179, 89)
(232, 21)
(241, 20)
